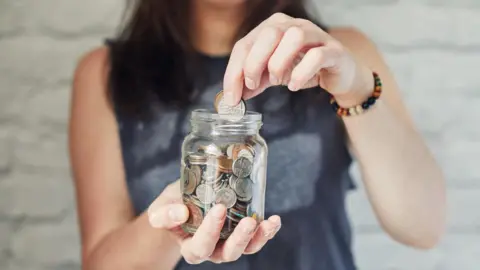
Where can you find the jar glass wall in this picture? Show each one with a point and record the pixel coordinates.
(223, 162)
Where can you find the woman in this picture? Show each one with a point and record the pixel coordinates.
(130, 106)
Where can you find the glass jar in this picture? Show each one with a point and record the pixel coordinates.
(223, 162)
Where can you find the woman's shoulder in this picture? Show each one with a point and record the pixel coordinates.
(90, 80)
(92, 63)
(90, 77)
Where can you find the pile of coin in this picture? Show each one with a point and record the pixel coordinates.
(231, 113)
(219, 175)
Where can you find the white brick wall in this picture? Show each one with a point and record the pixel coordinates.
(433, 46)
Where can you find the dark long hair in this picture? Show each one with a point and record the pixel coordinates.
(152, 59)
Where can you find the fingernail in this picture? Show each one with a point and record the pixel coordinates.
(273, 231)
(218, 211)
(177, 213)
(292, 86)
(269, 233)
(250, 83)
(228, 97)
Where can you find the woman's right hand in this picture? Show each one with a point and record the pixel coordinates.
(168, 212)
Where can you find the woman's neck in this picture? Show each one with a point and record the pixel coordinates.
(214, 27)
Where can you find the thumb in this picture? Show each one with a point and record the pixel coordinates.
(167, 216)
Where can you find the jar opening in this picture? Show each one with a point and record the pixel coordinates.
(204, 115)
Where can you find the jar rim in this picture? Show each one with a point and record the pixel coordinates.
(212, 116)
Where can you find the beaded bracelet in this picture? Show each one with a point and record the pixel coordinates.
(364, 106)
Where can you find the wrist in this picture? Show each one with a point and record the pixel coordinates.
(362, 90)
(349, 105)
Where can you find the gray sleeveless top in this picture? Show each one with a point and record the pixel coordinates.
(307, 175)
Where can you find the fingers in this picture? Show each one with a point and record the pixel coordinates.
(258, 57)
(285, 53)
(235, 245)
(264, 84)
(295, 40)
(272, 48)
(266, 231)
(305, 73)
(167, 216)
(233, 80)
(198, 248)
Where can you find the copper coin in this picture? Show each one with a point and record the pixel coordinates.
(241, 206)
(197, 202)
(225, 164)
(195, 216)
(239, 150)
(191, 179)
(218, 97)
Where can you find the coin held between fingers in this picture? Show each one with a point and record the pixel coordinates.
(227, 111)
(229, 98)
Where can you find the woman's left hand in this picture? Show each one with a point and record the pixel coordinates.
(286, 51)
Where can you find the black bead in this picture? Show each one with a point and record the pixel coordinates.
(371, 100)
(335, 106)
(365, 105)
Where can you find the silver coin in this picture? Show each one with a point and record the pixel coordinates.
(244, 189)
(219, 183)
(191, 179)
(232, 181)
(225, 184)
(205, 194)
(226, 196)
(231, 113)
(242, 167)
(197, 158)
(245, 153)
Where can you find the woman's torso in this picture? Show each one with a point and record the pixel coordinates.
(307, 174)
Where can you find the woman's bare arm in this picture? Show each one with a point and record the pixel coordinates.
(112, 237)
(403, 182)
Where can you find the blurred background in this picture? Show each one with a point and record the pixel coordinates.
(433, 47)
